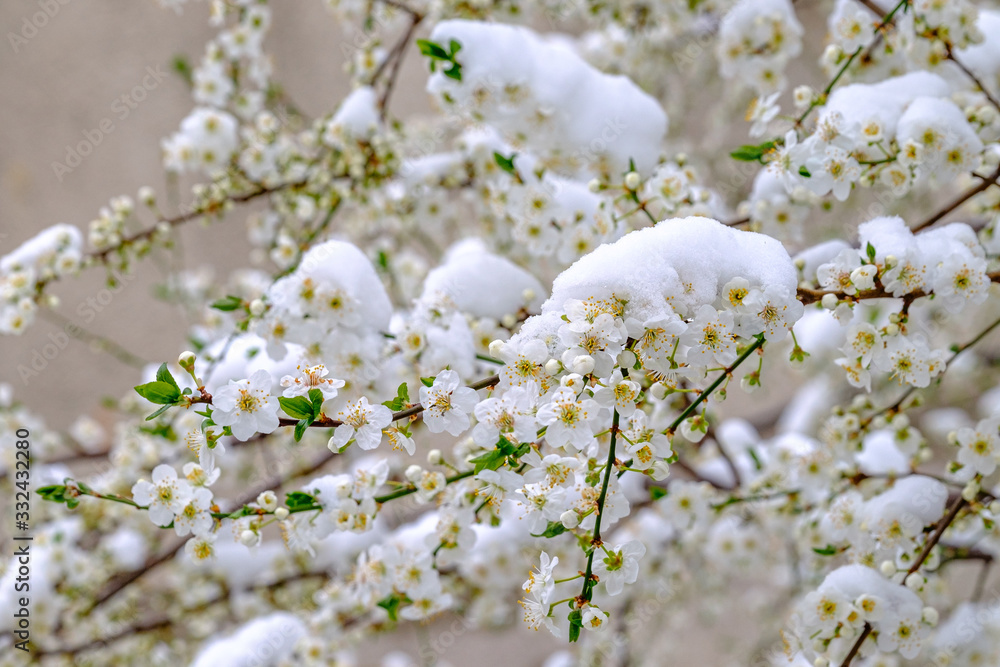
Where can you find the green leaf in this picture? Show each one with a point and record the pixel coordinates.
(506, 163)
(751, 153)
(159, 412)
(161, 393)
(53, 492)
(298, 407)
(299, 499)
(402, 398)
(228, 304)
(870, 250)
(804, 172)
(391, 604)
(489, 461)
(57, 493)
(316, 397)
(554, 528)
(657, 492)
(436, 52)
(575, 625)
(300, 428)
(828, 550)
(432, 50)
(427, 382)
(182, 67)
(163, 375)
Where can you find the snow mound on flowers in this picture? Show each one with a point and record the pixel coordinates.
(483, 284)
(264, 641)
(334, 290)
(512, 77)
(681, 263)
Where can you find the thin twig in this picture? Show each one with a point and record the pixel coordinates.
(961, 199)
(975, 79)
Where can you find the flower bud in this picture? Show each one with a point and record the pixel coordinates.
(496, 347)
(931, 616)
(970, 491)
(583, 364)
(248, 538)
(888, 568)
(863, 277)
(186, 361)
(434, 457)
(413, 473)
(268, 501)
(281, 513)
(892, 330)
(528, 295)
(594, 185)
(257, 308)
(661, 470)
(553, 366)
(147, 196)
(626, 359)
(632, 181)
(914, 582)
(829, 301)
(658, 390)
(570, 519)
(508, 320)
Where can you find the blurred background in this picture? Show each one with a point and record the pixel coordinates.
(62, 82)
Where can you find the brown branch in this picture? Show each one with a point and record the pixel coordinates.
(961, 199)
(936, 537)
(208, 209)
(326, 422)
(396, 56)
(942, 526)
(809, 296)
(857, 645)
(121, 582)
(164, 620)
(975, 79)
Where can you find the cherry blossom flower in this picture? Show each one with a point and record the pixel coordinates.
(620, 566)
(363, 422)
(165, 497)
(447, 405)
(311, 377)
(246, 406)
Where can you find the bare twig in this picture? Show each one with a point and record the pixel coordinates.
(961, 199)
